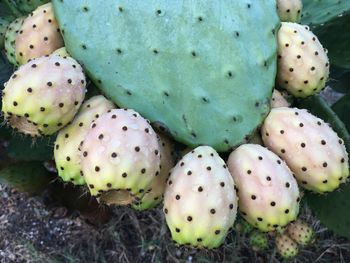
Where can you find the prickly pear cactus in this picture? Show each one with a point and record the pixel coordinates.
(258, 240)
(300, 232)
(303, 65)
(338, 118)
(3, 27)
(327, 18)
(312, 150)
(286, 247)
(43, 95)
(200, 202)
(278, 100)
(27, 6)
(331, 209)
(342, 108)
(268, 193)
(38, 36)
(120, 157)
(67, 155)
(167, 161)
(10, 39)
(242, 226)
(61, 52)
(193, 64)
(289, 10)
(30, 177)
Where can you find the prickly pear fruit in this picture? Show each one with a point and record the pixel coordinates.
(67, 156)
(286, 247)
(10, 39)
(61, 52)
(300, 232)
(43, 95)
(120, 157)
(258, 240)
(311, 149)
(200, 202)
(303, 65)
(28, 6)
(268, 193)
(3, 27)
(39, 35)
(167, 161)
(278, 100)
(289, 10)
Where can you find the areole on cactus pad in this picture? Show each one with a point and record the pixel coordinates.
(180, 63)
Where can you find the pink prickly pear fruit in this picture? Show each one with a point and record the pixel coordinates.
(67, 156)
(278, 100)
(289, 10)
(39, 35)
(311, 149)
(303, 65)
(43, 96)
(167, 161)
(267, 191)
(200, 202)
(301, 232)
(120, 157)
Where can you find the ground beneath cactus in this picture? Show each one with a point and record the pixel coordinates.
(36, 229)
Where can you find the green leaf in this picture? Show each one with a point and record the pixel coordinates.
(30, 177)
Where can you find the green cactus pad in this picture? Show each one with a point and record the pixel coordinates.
(342, 108)
(332, 208)
(319, 107)
(203, 69)
(27, 6)
(23, 148)
(330, 21)
(30, 177)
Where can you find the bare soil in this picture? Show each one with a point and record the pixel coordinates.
(39, 229)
